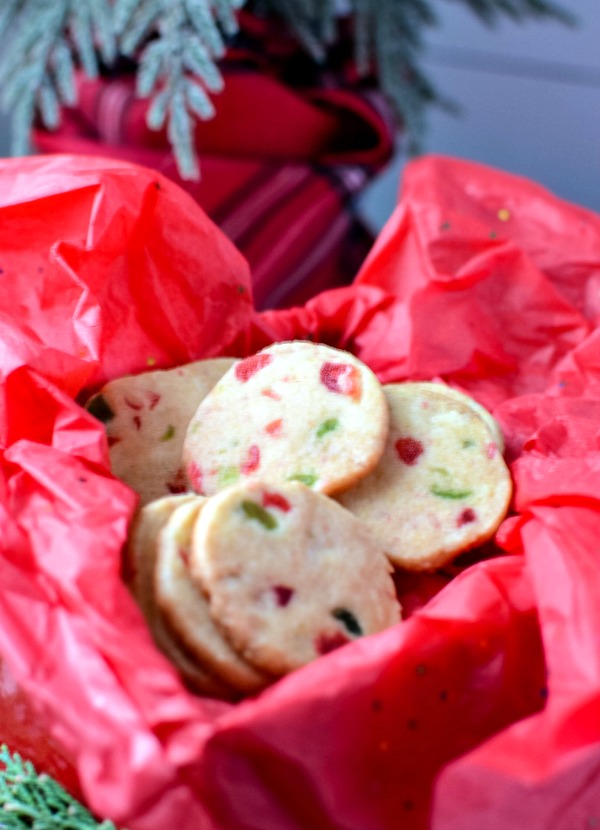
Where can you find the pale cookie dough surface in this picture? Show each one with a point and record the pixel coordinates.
(141, 562)
(294, 411)
(442, 486)
(186, 609)
(146, 417)
(289, 573)
(448, 392)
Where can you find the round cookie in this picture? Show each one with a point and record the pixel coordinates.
(186, 609)
(289, 573)
(146, 416)
(293, 411)
(140, 552)
(442, 486)
(449, 392)
(140, 561)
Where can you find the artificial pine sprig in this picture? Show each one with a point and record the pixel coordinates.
(38, 59)
(29, 801)
(177, 44)
(178, 66)
(389, 42)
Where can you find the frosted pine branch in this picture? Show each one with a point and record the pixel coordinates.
(179, 68)
(178, 44)
(389, 41)
(44, 40)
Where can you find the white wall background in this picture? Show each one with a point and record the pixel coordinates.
(530, 101)
(4, 133)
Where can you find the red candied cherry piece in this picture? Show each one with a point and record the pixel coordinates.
(194, 474)
(154, 399)
(274, 427)
(252, 462)
(342, 378)
(178, 484)
(329, 642)
(491, 450)
(133, 404)
(283, 594)
(468, 515)
(137, 421)
(408, 450)
(270, 393)
(251, 365)
(276, 500)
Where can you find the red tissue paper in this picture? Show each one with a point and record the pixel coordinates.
(481, 707)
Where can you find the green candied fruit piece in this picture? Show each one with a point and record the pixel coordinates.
(259, 514)
(168, 433)
(304, 478)
(468, 443)
(348, 619)
(330, 425)
(449, 493)
(98, 407)
(227, 475)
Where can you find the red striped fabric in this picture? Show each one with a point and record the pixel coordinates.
(280, 167)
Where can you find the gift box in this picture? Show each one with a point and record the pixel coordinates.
(480, 707)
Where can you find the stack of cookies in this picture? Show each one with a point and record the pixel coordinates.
(278, 492)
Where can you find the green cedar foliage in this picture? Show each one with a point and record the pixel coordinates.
(29, 801)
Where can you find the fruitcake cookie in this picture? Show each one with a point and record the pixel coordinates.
(455, 394)
(186, 609)
(140, 562)
(140, 552)
(290, 574)
(442, 486)
(293, 411)
(146, 417)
